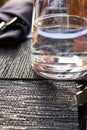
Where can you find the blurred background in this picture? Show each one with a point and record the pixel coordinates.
(2, 2)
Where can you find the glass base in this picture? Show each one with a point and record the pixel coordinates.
(71, 76)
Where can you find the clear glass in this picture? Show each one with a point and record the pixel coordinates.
(59, 46)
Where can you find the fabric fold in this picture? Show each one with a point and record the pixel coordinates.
(22, 9)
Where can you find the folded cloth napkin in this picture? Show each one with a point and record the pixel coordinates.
(15, 20)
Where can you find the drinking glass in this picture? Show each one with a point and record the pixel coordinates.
(59, 45)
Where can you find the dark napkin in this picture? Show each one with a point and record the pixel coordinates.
(20, 29)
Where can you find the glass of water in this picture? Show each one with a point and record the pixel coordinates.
(59, 45)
